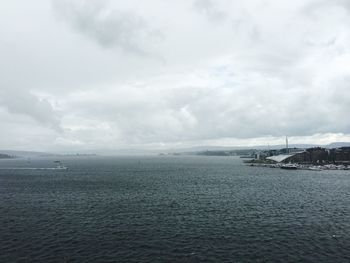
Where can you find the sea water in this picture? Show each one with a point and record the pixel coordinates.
(171, 209)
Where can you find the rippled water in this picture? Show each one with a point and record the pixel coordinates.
(172, 209)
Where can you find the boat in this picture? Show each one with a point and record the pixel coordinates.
(315, 168)
(60, 166)
(289, 166)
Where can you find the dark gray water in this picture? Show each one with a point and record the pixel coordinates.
(172, 209)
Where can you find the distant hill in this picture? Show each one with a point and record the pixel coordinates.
(338, 144)
(6, 156)
(217, 150)
(32, 154)
(188, 150)
(24, 153)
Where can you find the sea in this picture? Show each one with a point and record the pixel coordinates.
(171, 209)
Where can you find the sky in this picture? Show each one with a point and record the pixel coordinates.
(98, 75)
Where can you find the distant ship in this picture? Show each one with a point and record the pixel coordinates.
(60, 166)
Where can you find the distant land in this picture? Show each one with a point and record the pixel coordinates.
(7, 154)
(238, 149)
(171, 151)
(23, 153)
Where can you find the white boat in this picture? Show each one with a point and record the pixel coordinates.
(315, 168)
(60, 166)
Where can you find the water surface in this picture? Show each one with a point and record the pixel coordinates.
(171, 209)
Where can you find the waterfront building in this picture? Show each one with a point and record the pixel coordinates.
(316, 155)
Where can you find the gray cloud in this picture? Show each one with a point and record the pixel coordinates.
(27, 104)
(108, 27)
(314, 5)
(210, 9)
(343, 3)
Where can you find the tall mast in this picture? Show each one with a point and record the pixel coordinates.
(287, 149)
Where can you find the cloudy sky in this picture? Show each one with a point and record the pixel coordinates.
(106, 75)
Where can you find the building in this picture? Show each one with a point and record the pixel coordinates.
(316, 155)
(340, 155)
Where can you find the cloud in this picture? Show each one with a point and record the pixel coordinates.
(108, 27)
(229, 106)
(314, 6)
(342, 3)
(210, 9)
(25, 103)
(235, 71)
